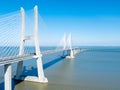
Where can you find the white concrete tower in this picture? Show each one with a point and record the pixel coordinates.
(64, 41)
(41, 78)
(21, 51)
(71, 55)
(64, 44)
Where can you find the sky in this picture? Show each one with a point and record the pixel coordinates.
(91, 22)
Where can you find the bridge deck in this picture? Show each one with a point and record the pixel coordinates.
(17, 58)
(13, 59)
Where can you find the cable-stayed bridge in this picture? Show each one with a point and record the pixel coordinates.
(11, 51)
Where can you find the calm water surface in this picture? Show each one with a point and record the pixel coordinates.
(91, 70)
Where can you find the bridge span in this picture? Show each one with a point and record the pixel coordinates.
(8, 60)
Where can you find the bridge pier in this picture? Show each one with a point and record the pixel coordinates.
(41, 77)
(19, 70)
(70, 54)
(76, 51)
(8, 77)
(63, 54)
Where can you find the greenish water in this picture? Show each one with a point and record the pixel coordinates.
(91, 70)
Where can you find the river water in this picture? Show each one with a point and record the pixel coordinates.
(97, 69)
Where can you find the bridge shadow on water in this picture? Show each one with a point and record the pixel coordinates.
(14, 82)
(33, 70)
(50, 63)
(1, 86)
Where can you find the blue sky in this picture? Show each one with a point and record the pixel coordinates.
(91, 22)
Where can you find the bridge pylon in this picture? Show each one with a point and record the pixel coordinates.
(64, 44)
(41, 77)
(69, 42)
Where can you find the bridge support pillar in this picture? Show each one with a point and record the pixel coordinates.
(64, 45)
(41, 77)
(21, 52)
(8, 77)
(19, 70)
(71, 53)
